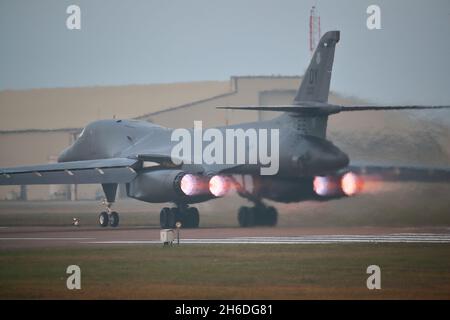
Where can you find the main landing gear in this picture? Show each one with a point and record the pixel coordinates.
(259, 215)
(187, 216)
(108, 217)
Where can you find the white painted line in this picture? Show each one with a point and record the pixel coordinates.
(125, 242)
(328, 239)
(12, 239)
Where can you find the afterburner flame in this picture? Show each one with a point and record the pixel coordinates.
(350, 184)
(321, 186)
(218, 186)
(188, 184)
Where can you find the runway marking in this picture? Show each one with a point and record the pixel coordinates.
(325, 239)
(70, 239)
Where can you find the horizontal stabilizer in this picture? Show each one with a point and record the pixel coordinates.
(313, 109)
(303, 110)
(384, 108)
(403, 173)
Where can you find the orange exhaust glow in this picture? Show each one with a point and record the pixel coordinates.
(188, 184)
(351, 184)
(193, 185)
(218, 186)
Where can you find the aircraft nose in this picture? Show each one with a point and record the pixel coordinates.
(64, 155)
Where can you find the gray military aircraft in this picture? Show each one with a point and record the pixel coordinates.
(138, 154)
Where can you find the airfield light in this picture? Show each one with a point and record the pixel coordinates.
(218, 186)
(187, 184)
(178, 225)
(350, 183)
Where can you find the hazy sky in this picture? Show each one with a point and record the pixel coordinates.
(154, 41)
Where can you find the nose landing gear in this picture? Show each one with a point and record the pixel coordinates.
(108, 217)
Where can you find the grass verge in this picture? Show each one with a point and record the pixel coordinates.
(229, 272)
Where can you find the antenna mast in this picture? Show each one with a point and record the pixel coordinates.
(314, 29)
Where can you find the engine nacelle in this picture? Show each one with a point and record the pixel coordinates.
(167, 186)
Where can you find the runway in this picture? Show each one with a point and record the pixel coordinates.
(326, 239)
(43, 237)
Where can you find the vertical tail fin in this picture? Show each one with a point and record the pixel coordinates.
(315, 85)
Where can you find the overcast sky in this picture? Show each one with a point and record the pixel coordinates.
(155, 41)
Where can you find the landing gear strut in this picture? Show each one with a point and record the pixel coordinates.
(259, 215)
(188, 216)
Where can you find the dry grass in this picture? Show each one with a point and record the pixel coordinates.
(229, 272)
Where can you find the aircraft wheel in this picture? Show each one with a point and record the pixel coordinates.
(192, 218)
(251, 217)
(103, 219)
(246, 217)
(187, 219)
(164, 218)
(241, 216)
(114, 219)
(265, 216)
(261, 216)
(173, 217)
(271, 216)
